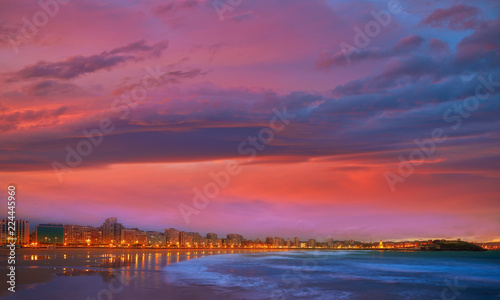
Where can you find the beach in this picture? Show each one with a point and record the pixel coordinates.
(38, 267)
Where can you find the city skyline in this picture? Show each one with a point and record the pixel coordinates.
(178, 230)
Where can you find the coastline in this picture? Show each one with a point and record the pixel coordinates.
(91, 273)
(36, 266)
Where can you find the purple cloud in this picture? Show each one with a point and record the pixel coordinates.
(78, 65)
(459, 17)
(405, 45)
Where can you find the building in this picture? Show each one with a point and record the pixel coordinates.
(111, 231)
(21, 234)
(197, 240)
(140, 237)
(296, 242)
(155, 238)
(234, 240)
(329, 243)
(269, 240)
(212, 240)
(278, 242)
(172, 236)
(185, 239)
(82, 235)
(133, 236)
(288, 243)
(50, 234)
(311, 243)
(127, 237)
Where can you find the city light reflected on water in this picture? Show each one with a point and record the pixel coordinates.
(110, 269)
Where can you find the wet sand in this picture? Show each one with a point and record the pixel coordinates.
(35, 267)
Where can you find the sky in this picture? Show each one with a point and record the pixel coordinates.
(319, 119)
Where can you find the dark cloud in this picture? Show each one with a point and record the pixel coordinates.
(480, 51)
(170, 77)
(405, 45)
(439, 47)
(153, 51)
(176, 13)
(171, 7)
(459, 17)
(51, 88)
(210, 124)
(78, 65)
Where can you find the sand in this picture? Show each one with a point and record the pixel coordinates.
(37, 266)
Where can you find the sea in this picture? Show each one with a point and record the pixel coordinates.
(310, 274)
(346, 275)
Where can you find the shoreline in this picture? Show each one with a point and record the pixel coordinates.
(237, 249)
(36, 266)
(41, 265)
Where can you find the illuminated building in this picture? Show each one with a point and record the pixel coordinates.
(172, 236)
(50, 234)
(185, 239)
(21, 234)
(212, 240)
(234, 240)
(140, 237)
(127, 237)
(82, 235)
(296, 242)
(155, 238)
(111, 231)
(311, 243)
(197, 240)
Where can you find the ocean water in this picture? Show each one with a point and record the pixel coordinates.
(252, 274)
(345, 275)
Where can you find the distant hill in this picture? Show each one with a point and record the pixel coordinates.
(454, 246)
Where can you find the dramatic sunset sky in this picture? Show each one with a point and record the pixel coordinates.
(225, 71)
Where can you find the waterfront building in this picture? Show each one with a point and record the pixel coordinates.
(82, 235)
(50, 234)
(172, 237)
(111, 231)
(212, 240)
(21, 233)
